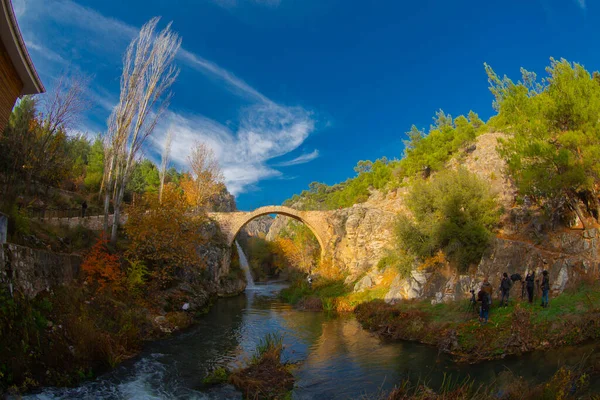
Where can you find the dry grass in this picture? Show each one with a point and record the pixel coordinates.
(266, 377)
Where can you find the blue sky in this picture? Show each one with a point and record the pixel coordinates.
(287, 92)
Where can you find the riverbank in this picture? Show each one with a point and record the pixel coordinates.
(73, 333)
(572, 318)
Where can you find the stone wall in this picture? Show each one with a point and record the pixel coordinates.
(32, 270)
(94, 223)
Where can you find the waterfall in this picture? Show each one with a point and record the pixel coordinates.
(245, 266)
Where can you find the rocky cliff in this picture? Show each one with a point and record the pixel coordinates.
(365, 231)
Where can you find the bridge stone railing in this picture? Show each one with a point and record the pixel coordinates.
(94, 222)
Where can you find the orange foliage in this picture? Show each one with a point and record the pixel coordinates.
(288, 253)
(101, 267)
(164, 235)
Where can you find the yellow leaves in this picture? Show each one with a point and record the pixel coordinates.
(164, 235)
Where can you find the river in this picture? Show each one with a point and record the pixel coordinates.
(336, 358)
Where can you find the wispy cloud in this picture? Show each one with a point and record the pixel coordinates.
(302, 159)
(46, 52)
(265, 129)
(581, 4)
(265, 132)
(206, 66)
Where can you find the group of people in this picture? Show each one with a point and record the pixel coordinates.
(485, 293)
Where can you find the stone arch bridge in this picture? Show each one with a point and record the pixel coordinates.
(231, 223)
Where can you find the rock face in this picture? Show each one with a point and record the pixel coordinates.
(32, 271)
(575, 259)
(364, 233)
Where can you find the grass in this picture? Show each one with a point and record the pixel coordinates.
(217, 376)
(569, 382)
(266, 377)
(332, 294)
(572, 318)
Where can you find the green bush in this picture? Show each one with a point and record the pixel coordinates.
(453, 212)
(136, 276)
(218, 376)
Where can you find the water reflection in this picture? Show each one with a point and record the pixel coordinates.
(337, 358)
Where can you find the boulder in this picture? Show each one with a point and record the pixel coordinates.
(365, 283)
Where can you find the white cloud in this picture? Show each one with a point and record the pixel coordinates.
(265, 132)
(46, 52)
(581, 4)
(303, 159)
(205, 66)
(265, 129)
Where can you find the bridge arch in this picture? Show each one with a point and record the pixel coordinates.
(232, 222)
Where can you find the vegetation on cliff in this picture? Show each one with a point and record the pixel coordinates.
(554, 150)
(423, 152)
(454, 212)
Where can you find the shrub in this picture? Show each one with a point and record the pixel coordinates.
(101, 267)
(136, 275)
(453, 212)
(164, 235)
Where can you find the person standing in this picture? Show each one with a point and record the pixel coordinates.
(487, 287)
(529, 284)
(83, 208)
(505, 286)
(484, 311)
(545, 288)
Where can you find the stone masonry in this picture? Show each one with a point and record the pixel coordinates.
(317, 221)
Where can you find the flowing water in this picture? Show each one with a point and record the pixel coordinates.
(245, 266)
(336, 358)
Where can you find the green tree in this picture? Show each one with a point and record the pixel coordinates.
(95, 166)
(554, 151)
(144, 178)
(453, 212)
(78, 150)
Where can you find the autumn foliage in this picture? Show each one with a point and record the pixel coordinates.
(164, 235)
(101, 267)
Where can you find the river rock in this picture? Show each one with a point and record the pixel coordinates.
(365, 283)
(560, 282)
(394, 295)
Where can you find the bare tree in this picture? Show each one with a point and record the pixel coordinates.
(206, 174)
(62, 108)
(164, 163)
(60, 111)
(148, 73)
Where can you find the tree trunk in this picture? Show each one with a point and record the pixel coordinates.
(106, 210)
(577, 210)
(117, 205)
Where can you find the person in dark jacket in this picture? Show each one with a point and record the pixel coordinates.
(530, 284)
(505, 286)
(484, 311)
(84, 207)
(545, 288)
(487, 287)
